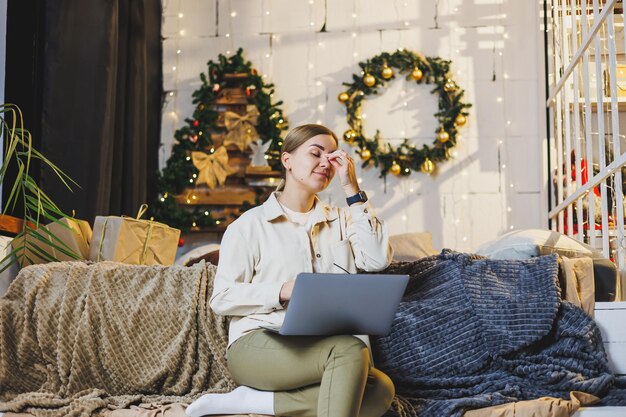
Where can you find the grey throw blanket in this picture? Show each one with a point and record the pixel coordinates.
(473, 332)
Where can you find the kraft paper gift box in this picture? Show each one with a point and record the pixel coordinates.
(133, 241)
(74, 234)
(621, 80)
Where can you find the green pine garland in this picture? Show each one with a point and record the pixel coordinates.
(179, 171)
(376, 72)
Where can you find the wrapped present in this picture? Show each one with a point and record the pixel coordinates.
(621, 80)
(65, 240)
(133, 241)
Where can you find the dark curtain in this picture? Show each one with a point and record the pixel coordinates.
(101, 103)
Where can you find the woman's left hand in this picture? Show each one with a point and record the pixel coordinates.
(344, 165)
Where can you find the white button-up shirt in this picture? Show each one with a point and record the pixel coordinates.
(262, 250)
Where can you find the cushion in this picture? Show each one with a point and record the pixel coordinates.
(8, 275)
(211, 257)
(528, 243)
(409, 247)
(197, 253)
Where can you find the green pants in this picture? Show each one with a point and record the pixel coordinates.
(311, 376)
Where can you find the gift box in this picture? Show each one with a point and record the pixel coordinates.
(133, 241)
(620, 78)
(70, 236)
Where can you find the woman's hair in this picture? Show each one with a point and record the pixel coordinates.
(297, 136)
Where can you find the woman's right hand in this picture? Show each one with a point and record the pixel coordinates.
(286, 290)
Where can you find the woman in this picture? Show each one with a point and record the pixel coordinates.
(260, 255)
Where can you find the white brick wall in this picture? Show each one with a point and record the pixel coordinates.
(495, 181)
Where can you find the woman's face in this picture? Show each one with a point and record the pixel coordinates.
(310, 168)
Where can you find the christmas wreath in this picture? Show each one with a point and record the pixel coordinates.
(375, 74)
(194, 158)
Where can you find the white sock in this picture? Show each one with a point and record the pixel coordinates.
(242, 400)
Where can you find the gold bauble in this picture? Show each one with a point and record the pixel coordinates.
(460, 120)
(449, 86)
(416, 74)
(349, 135)
(369, 80)
(427, 166)
(395, 169)
(366, 154)
(343, 97)
(443, 136)
(387, 72)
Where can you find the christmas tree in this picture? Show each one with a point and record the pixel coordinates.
(233, 111)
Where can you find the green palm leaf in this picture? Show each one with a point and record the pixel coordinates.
(37, 205)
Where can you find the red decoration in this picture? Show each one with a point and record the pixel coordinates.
(193, 139)
(195, 123)
(181, 242)
(248, 91)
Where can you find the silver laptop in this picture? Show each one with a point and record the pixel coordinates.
(329, 304)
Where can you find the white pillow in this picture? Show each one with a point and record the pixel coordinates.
(197, 252)
(528, 243)
(8, 275)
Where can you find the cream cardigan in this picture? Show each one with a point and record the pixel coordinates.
(262, 249)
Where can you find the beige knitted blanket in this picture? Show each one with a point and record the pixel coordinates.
(141, 334)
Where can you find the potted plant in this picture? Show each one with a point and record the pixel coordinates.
(37, 206)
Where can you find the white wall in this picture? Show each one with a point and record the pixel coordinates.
(495, 182)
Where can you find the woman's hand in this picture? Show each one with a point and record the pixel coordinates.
(344, 166)
(286, 290)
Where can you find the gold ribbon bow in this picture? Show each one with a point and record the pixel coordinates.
(213, 167)
(241, 129)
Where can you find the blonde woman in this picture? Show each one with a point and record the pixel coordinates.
(260, 256)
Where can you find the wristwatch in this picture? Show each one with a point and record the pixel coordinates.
(358, 197)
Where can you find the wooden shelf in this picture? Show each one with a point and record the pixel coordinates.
(220, 196)
(606, 101)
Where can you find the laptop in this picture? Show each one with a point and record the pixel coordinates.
(327, 304)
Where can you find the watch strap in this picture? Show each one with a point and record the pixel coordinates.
(358, 197)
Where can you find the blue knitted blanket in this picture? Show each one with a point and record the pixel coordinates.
(473, 332)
